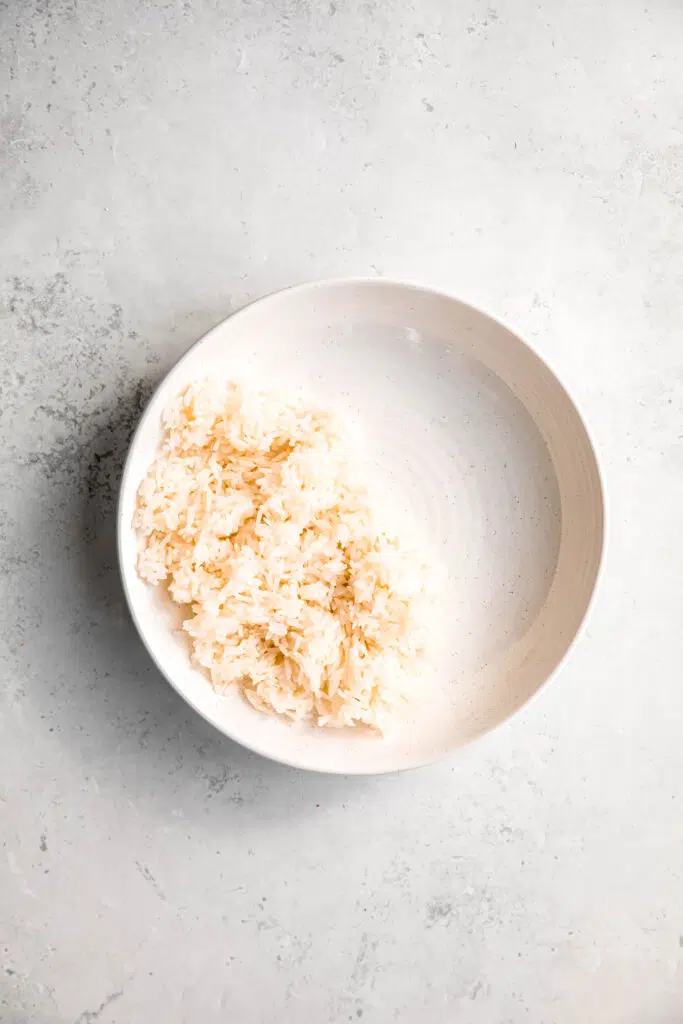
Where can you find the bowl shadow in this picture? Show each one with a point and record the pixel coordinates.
(162, 736)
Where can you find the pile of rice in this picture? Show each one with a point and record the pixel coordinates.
(254, 515)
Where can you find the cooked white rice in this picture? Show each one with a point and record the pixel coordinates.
(254, 516)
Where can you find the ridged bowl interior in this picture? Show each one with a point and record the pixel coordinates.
(468, 429)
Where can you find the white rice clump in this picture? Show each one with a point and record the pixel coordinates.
(253, 514)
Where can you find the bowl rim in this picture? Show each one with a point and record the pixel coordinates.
(308, 288)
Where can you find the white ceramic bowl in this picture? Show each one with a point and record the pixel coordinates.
(468, 427)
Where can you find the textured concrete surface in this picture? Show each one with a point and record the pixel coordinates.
(162, 163)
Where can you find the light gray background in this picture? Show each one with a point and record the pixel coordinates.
(162, 163)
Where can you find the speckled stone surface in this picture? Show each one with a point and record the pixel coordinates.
(162, 163)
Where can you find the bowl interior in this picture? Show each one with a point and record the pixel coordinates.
(467, 428)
